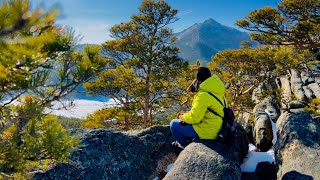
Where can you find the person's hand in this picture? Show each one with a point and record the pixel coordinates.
(181, 120)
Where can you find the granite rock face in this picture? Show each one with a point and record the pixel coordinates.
(211, 159)
(269, 104)
(262, 128)
(299, 87)
(111, 154)
(297, 150)
(296, 85)
(263, 133)
(201, 161)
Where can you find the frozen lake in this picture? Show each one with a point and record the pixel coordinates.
(79, 108)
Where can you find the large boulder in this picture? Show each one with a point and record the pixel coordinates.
(268, 104)
(296, 104)
(297, 149)
(296, 85)
(263, 134)
(262, 128)
(111, 154)
(202, 161)
(211, 159)
(308, 93)
(315, 88)
(284, 84)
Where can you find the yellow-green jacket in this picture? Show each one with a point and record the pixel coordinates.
(206, 124)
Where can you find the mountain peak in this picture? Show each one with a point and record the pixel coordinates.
(202, 40)
(211, 21)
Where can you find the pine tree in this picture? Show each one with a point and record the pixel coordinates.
(144, 45)
(244, 69)
(293, 22)
(122, 85)
(37, 66)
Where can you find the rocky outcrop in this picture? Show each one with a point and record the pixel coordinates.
(297, 150)
(284, 84)
(262, 128)
(111, 154)
(211, 159)
(201, 161)
(297, 90)
(263, 133)
(298, 86)
(269, 104)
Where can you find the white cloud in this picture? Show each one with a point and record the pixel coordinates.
(93, 31)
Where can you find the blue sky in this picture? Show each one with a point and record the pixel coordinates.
(93, 18)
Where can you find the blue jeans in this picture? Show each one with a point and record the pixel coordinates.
(182, 133)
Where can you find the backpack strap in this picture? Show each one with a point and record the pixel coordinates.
(224, 105)
(219, 102)
(214, 113)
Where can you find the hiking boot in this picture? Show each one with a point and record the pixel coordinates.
(177, 148)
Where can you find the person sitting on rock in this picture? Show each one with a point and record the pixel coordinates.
(199, 122)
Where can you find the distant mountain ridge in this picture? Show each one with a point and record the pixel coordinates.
(80, 47)
(203, 40)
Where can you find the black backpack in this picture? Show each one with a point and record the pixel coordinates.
(227, 132)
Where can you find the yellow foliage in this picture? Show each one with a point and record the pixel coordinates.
(313, 107)
(246, 68)
(115, 117)
(43, 142)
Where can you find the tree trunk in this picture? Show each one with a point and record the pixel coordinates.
(147, 98)
(126, 118)
(150, 115)
(146, 112)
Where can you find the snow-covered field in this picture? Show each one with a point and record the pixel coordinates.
(78, 108)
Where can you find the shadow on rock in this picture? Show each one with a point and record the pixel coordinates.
(294, 175)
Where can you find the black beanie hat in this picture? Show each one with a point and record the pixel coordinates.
(203, 74)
